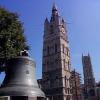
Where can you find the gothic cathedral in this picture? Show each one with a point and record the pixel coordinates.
(89, 80)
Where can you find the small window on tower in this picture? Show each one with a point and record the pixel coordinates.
(53, 18)
(63, 48)
(55, 48)
(51, 29)
(48, 50)
(68, 65)
(64, 63)
(67, 50)
(65, 81)
(27, 72)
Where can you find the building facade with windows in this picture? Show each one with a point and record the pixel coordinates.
(56, 67)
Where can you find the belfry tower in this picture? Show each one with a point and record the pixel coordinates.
(56, 58)
(89, 80)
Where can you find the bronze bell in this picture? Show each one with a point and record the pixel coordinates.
(20, 78)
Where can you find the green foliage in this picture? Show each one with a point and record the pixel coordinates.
(12, 39)
(3, 98)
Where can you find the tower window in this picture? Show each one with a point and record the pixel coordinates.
(68, 65)
(48, 51)
(64, 63)
(55, 48)
(65, 81)
(27, 72)
(67, 50)
(52, 19)
(51, 29)
(63, 48)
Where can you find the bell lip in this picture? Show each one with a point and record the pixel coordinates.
(11, 91)
(24, 95)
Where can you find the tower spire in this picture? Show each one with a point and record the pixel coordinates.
(54, 6)
(54, 9)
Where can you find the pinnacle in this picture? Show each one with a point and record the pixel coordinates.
(54, 6)
(46, 20)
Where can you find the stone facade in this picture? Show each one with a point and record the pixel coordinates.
(89, 80)
(56, 59)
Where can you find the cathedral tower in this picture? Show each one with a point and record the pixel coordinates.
(89, 80)
(56, 58)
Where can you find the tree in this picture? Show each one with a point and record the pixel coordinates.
(12, 39)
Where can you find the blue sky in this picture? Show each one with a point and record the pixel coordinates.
(83, 23)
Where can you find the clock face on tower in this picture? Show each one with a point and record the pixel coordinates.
(62, 30)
